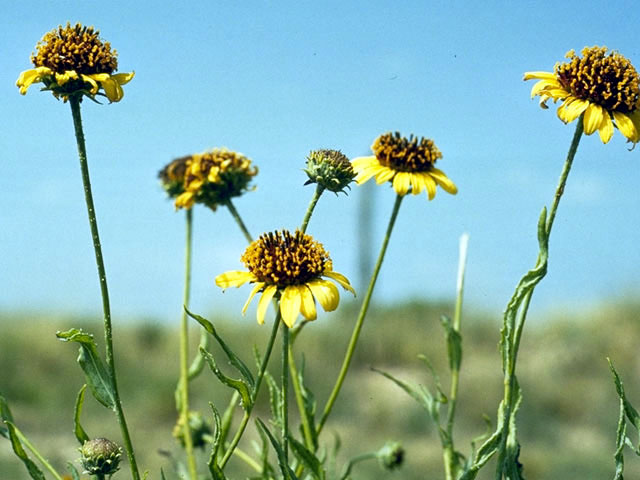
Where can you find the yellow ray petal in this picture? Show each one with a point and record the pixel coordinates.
(544, 85)
(326, 293)
(123, 78)
(290, 303)
(402, 182)
(635, 118)
(29, 77)
(94, 84)
(112, 89)
(417, 184)
(264, 302)
(341, 279)
(308, 305)
(384, 175)
(593, 117)
(185, 200)
(625, 125)
(430, 183)
(366, 173)
(441, 178)
(234, 278)
(539, 76)
(571, 109)
(606, 128)
(255, 290)
(361, 162)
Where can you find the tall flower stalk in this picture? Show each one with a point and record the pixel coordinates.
(74, 101)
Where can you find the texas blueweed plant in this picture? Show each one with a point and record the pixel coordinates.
(293, 272)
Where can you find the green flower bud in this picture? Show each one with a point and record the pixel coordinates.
(198, 427)
(391, 455)
(329, 168)
(100, 456)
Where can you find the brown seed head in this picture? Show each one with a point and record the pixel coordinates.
(607, 80)
(282, 259)
(76, 48)
(406, 155)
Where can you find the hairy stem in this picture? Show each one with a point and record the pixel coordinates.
(74, 102)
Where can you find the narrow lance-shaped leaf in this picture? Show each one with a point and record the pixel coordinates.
(630, 411)
(287, 473)
(237, 385)
(308, 458)
(96, 374)
(5, 414)
(214, 468)
(454, 344)
(80, 433)
(73, 471)
(233, 358)
(32, 468)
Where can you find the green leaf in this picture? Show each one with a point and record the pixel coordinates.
(238, 385)
(96, 374)
(630, 411)
(454, 344)
(233, 358)
(162, 477)
(287, 473)
(217, 435)
(309, 403)
(74, 473)
(621, 432)
(81, 435)
(5, 414)
(32, 468)
(308, 458)
(197, 365)
(263, 451)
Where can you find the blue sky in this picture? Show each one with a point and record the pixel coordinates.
(274, 80)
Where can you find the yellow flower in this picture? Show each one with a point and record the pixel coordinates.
(214, 177)
(73, 60)
(408, 163)
(291, 266)
(605, 88)
(173, 174)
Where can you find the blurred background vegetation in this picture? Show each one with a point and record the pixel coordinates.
(567, 423)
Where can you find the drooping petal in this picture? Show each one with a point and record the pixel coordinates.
(112, 89)
(29, 77)
(625, 125)
(544, 85)
(417, 184)
(384, 175)
(94, 84)
(571, 109)
(431, 185)
(402, 182)
(290, 303)
(185, 200)
(258, 286)
(539, 76)
(264, 302)
(635, 118)
(308, 305)
(326, 293)
(123, 78)
(234, 278)
(593, 117)
(606, 128)
(444, 181)
(341, 279)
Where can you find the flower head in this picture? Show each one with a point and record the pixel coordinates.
(213, 178)
(408, 162)
(100, 456)
(197, 426)
(391, 455)
(291, 265)
(172, 175)
(74, 60)
(604, 87)
(329, 168)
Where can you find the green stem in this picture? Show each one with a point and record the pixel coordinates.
(238, 219)
(285, 391)
(510, 368)
(312, 205)
(254, 393)
(450, 465)
(74, 102)
(36, 453)
(184, 351)
(246, 458)
(361, 316)
(297, 388)
(354, 461)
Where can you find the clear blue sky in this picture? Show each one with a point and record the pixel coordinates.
(276, 79)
